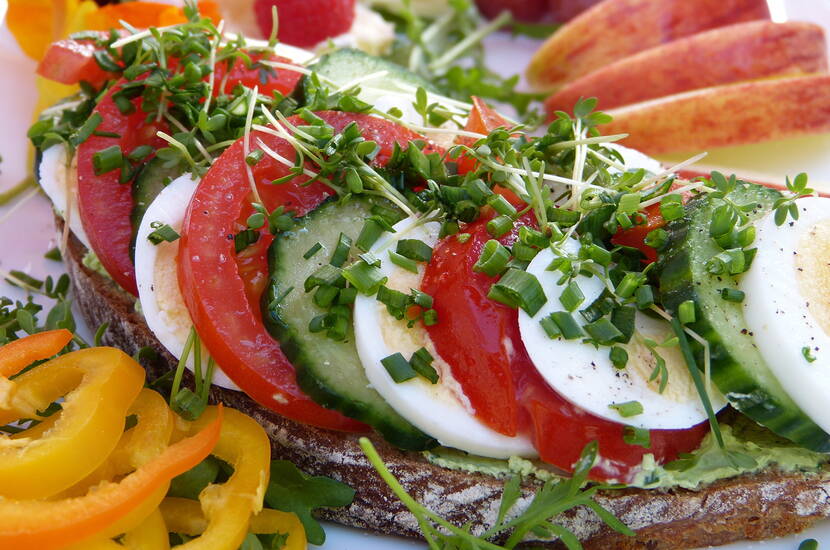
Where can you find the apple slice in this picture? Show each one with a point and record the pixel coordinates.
(746, 51)
(565, 10)
(614, 29)
(723, 116)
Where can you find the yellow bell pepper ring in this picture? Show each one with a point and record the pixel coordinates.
(182, 515)
(98, 385)
(228, 507)
(54, 524)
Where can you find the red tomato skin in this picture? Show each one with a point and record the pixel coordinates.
(636, 236)
(222, 291)
(306, 23)
(559, 429)
(104, 203)
(565, 10)
(483, 119)
(482, 366)
(70, 62)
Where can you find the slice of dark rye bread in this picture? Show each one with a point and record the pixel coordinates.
(753, 507)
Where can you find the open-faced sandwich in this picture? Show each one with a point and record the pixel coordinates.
(353, 253)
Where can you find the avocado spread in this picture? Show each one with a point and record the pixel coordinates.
(749, 448)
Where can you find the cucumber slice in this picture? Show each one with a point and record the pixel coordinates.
(329, 371)
(154, 177)
(347, 65)
(737, 368)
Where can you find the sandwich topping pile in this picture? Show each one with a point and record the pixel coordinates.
(335, 237)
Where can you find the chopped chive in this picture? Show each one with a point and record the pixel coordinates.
(86, 130)
(405, 263)
(568, 326)
(312, 251)
(501, 206)
(320, 323)
(671, 207)
(430, 317)
(603, 331)
(364, 277)
(657, 238)
(339, 328)
(550, 327)
(563, 216)
(603, 305)
(369, 234)
(370, 259)
(644, 297)
(808, 356)
(523, 253)
(808, 544)
(421, 363)
(521, 289)
(624, 318)
(493, 259)
(325, 275)
(624, 220)
(599, 255)
(619, 357)
(478, 191)
(140, 153)
(421, 298)
(395, 301)
(627, 409)
(325, 295)
(463, 237)
(500, 226)
(629, 284)
(398, 368)
(448, 227)
(162, 233)
(732, 295)
(571, 297)
(244, 239)
(637, 436)
(629, 203)
(531, 237)
(686, 312)
(414, 249)
(107, 160)
(341, 251)
(346, 296)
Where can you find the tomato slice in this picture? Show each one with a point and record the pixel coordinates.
(480, 339)
(482, 120)
(222, 289)
(71, 61)
(635, 237)
(104, 203)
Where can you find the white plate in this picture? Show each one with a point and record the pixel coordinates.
(26, 233)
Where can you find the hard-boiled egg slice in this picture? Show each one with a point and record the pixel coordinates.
(787, 304)
(156, 274)
(440, 410)
(584, 374)
(58, 176)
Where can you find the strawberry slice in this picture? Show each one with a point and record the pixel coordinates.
(306, 23)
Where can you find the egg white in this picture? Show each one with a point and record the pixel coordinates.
(58, 176)
(440, 410)
(156, 274)
(583, 373)
(787, 304)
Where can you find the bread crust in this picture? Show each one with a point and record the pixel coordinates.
(754, 507)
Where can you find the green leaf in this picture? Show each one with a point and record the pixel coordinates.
(191, 483)
(512, 492)
(290, 490)
(565, 536)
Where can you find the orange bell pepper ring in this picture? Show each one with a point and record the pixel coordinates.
(19, 354)
(53, 524)
(98, 385)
